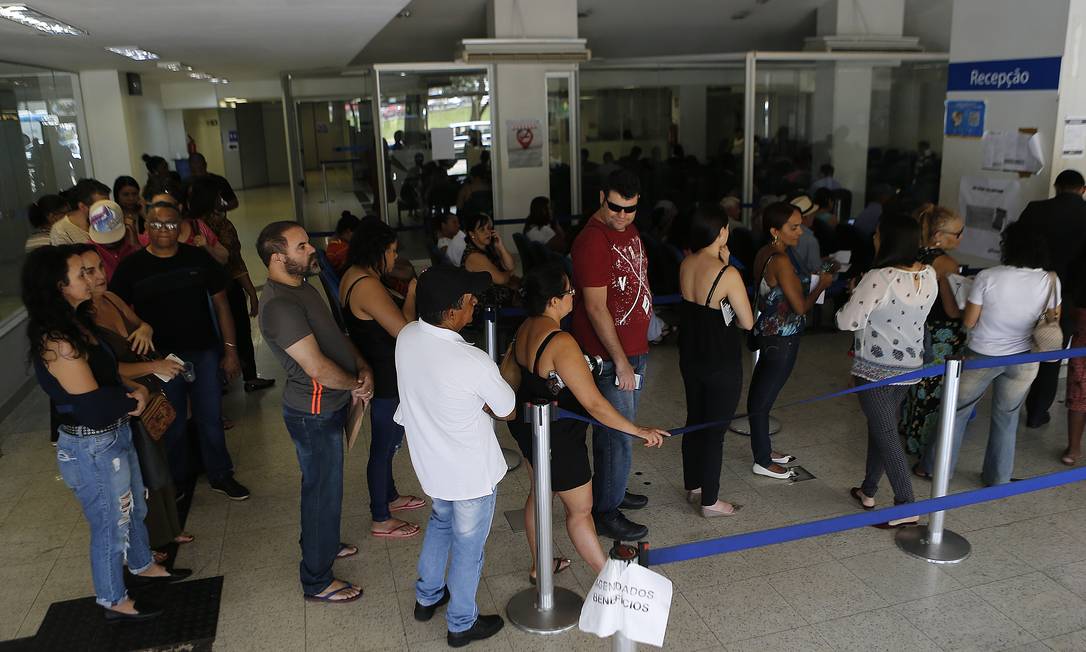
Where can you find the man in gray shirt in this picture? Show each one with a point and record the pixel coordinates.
(325, 376)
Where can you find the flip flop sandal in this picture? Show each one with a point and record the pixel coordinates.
(889, 525)
(921, 473)
(184, 538)
(1067, 459)
(716, 513)
(329, 597)
(346, 550)
(560, 564)
(414, 503)
(859, 495)
(402, 532)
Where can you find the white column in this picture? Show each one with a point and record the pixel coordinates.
(104, 109)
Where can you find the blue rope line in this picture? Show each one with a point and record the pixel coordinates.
(761, 538)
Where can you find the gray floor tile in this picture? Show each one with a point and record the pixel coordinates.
(1071, 576)
(988, 561)
(1073, 642)
(882, 630)
(801, 638)
(736, 611)
(1037, 603)
(897, 577)
(963, 621)
(14, 604)
(825, 591)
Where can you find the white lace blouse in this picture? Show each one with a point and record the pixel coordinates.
(887, 311)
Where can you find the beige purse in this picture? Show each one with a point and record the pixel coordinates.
(1047, 334)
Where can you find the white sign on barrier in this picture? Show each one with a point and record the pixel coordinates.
(633, 600)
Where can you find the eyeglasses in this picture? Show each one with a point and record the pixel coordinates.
(163, 226)
(571, 292)
(621, 209)
(956, 235)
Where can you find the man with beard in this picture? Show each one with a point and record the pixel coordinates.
(325, 376)
(168, 285)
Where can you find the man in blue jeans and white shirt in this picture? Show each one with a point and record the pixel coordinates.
(449, 390)
(611, 319)
(325, 376)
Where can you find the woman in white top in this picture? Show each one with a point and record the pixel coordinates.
(540, 226)
(887, 311)
(1004, 305)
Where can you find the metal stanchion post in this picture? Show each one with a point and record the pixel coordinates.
(546, 609)
(490, 318)
(627, 555)
(932, 542)
(324, 182)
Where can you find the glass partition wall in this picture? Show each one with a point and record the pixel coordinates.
(42, 151)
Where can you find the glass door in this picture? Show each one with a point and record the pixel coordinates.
(563, 162)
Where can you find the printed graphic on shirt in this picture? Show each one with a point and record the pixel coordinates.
(630, 288)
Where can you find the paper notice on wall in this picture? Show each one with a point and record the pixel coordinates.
(1013, 151)
(524, 143)
(988, 206)
(1074, 137)
(441, 144)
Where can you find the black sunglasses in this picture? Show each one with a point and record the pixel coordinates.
(621, 209)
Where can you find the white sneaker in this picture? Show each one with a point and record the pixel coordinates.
(761, 470)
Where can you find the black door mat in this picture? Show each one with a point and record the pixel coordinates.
(189, 622)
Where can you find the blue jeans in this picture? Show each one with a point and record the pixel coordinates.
(318, 441)
(612, 451)
(776, 358)
(104, 473)
(459, 526)
(1011, 383)
(205, 396)
(387, 435)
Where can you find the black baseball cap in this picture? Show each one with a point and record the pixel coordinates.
(440, 287)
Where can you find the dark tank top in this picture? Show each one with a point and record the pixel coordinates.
(705, 341)
(375, 344)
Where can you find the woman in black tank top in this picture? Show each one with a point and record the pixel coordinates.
(374, 317)
(94, 450)
(714, 309)
(554, 367)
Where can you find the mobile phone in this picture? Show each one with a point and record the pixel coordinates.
(727, 311)
(637, 381)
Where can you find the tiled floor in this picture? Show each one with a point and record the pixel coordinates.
(1023, 588)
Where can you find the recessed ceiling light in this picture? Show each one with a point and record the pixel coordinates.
(132, 52)
(24, 15)
(174, 66)
(199, 75)
(219, 80)
(406, 13)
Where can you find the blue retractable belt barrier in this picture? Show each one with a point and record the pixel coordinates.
(761, 538)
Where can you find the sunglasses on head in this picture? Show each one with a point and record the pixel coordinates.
(957, 234)
(621, 209)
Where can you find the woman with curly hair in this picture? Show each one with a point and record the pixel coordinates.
(79, 372)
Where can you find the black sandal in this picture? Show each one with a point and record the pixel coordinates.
(859, 495)
(560, 564)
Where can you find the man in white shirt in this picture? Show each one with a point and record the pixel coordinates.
(449, 390)
(451, 240)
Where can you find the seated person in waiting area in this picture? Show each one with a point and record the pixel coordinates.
(552, 366)
(485, 252)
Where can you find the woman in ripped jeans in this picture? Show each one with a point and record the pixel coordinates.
(78, 371)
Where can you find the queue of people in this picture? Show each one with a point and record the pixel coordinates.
(402, 356)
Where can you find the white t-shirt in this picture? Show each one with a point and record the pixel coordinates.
(454, 247)
(540, 234)
(64, 233)
(1013, 298)
(444, 383)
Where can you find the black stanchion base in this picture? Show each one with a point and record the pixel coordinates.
(742, 426)
(189, 622)
(916, 541)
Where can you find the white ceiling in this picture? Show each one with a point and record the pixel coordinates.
(237, 39)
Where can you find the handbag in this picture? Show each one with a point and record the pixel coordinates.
(158, 415)
(152, 458)
(509, 368)
(1047, 334)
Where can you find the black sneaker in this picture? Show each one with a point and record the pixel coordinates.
(424, 613)
(633, 501)
(258, 384)
(619, 527)
(230, 488)
(484, 627)
(1038, 421)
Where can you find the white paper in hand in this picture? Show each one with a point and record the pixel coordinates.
(633, 600)
(960, 285)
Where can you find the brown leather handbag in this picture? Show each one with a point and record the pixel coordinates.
(158, 415)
